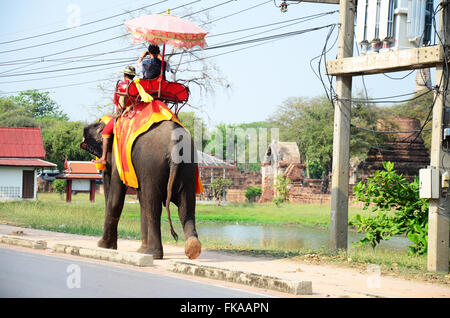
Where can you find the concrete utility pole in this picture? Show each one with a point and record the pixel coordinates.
(341, 137)
(344, 67)
(438, 213)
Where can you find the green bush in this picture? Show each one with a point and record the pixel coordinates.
(59, 186)
(278, 201)
(252, 192)
(400, 210)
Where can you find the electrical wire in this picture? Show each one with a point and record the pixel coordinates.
(236, 13)
(332, 97)
(42, 58)
(84, 24)
(219, 46)
(20, 62)
(263, 39)
(209, 8)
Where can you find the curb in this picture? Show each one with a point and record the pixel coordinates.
(130, 258)
(24, 242)
(245, 278)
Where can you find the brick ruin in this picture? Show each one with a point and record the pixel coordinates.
(406, 150)
(284, 158)
(211, 168)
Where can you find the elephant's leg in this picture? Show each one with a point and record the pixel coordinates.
(114, 206)
(186, 213)
(144, 227)
(151, 208)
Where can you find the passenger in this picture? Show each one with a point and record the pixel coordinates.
(128, 75)
(151, 68)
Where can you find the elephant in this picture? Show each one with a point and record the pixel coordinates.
(161, 180)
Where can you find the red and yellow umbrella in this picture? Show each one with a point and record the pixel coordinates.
(166, 29)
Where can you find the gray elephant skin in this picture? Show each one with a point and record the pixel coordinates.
(161, 180)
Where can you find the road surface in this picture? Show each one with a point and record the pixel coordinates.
(25, 274)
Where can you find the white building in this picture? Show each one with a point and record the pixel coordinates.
(21, 155)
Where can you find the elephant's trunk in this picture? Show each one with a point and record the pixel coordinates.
(172, 174)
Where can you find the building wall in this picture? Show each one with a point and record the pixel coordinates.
(11, 183)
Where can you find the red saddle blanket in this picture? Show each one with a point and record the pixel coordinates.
(130, 126)
(170, 91)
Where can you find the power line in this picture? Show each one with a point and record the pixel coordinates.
(84, 46)
(221, 45)
(203, 10)
(84, 24)
(19, 62)
(64, 69)
(271, 24)
(264, 39)
(236, 13)
(303, 19)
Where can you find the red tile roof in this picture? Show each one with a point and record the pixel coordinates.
(81, 167)
(80, 170)
(21, 142)
(25, 162)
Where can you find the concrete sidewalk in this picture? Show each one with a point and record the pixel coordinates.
(282, 275)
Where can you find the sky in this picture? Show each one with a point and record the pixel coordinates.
(260, 76)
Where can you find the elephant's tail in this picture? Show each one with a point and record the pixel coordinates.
(172, 175)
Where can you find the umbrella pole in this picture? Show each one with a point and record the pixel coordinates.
(162, 70)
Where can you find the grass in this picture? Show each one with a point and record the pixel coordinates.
(51, 212)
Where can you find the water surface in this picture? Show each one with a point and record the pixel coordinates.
(283, 236)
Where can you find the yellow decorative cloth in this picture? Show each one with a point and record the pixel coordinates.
(145, 97)
(128, 128)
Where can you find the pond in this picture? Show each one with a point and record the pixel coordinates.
(283, 236)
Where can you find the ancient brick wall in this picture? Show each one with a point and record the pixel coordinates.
(236, 192)
(406, 150)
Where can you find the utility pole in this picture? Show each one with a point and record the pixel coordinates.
(341, 137)
(344, 67)
(438, 213)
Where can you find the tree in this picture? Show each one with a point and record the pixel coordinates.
(400, 210)
(241, 143)
(307, 122)
(219, 187)
(315, 169)
(282, 186)
(60, 186)
(189, 120)
(13, 115)
(63, 138)
(39, 105)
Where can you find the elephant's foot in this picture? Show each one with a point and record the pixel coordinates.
(142, 249)
(193, 248)
(111, 244)
(157, 254)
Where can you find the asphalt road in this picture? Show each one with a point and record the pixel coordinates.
(30, 275)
